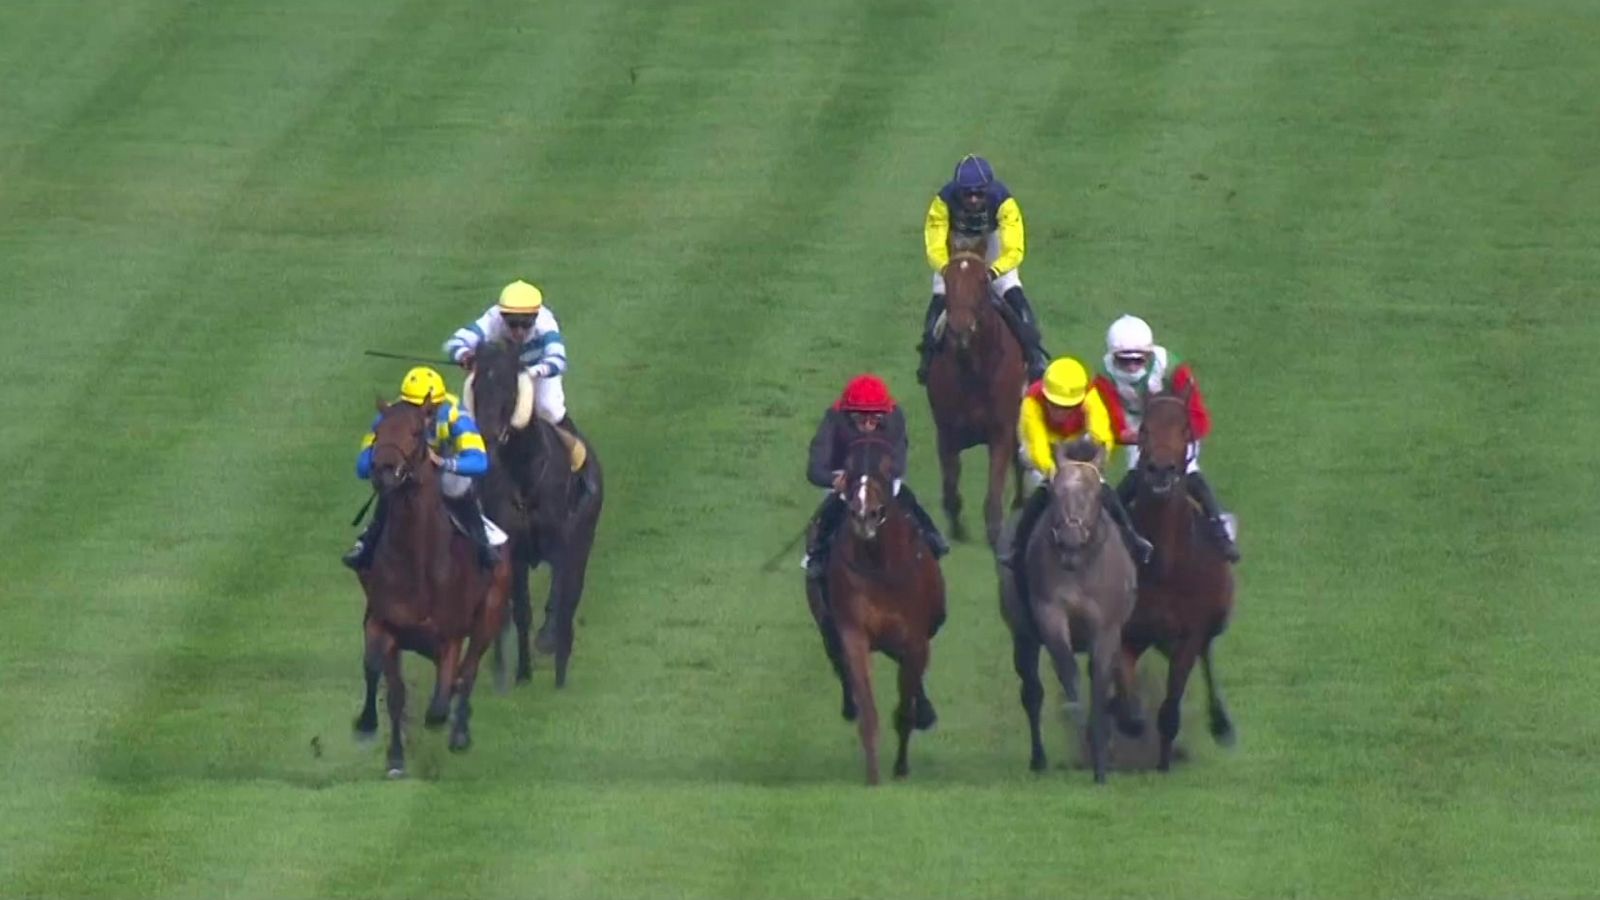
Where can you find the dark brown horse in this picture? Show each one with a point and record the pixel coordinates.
(885, 592)
(1186, 594)
(548, 511)
(425, 590)
(975, 384)
(1074, 591)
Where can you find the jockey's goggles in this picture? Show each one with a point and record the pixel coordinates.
(518, 323)
(1130, 360)
(862, 418)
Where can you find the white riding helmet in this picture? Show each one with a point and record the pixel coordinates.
(1129, 336)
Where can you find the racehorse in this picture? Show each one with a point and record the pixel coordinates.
(548, 511)
(885, 592)
(1186, 594)
(425, 589)
(1079, 582)
(975, 384)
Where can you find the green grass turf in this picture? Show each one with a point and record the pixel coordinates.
(1372, 226)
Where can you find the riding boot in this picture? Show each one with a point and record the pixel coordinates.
(1128, 487)
(1137, 545)
(470, 512)
(1200, 490)
(820, 533)
(930, 531)
(359, 556)
(929, 344)
(1026, 327)
(1036, 504)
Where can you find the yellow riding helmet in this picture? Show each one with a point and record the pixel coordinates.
(520, 298)
(421, 385)
(1066, 382)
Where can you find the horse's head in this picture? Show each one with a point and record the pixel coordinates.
(499, 392)
(966, 286)
(1075, 497)
(400, 445)
(868, 486)
(1165, 436)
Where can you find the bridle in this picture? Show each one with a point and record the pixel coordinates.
(1163, 479)
(1092, 527)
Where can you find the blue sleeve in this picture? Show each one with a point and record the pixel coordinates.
(364, 464)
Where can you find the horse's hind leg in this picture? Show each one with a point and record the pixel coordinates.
(396, 684)
(1221, 722)
(1126, 707)
(1025, 656)
(913, 665)
(566, 590)
(1171, 715)
(366, 725)
(858, 658)
(950, 482)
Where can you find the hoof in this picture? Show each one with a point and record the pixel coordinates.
(901, 770)
(460, 742)
(1223, 732)
(396, 772)
(1038, 763)
(433, 721)
(927, 717)
(545, 642)
(1132, 726)
(848, 711)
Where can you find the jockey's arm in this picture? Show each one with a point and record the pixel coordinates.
(936, 234)
(1012, 243)
(1098, 423)
(1034, 434)
(1199, 415)
(364, 458)
(467, 338)
(545, 353)
(470, 456)
(820, 463)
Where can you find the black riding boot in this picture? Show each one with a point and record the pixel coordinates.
(1026, 327)
(470, 513)
(1128, 487)
(929, 344)
(1137, 545)
(823, 524)
(1032, 509)
(930, 531)
(1200, 490)
(359, 556)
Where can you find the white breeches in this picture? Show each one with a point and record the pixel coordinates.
(453, 485)
(550, 399)
(1000, 285)
(1131, 452)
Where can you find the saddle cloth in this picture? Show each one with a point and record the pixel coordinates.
(497, 537)
(577, 451)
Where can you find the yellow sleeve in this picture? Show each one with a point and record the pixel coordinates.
(369, 440)
(1099, 422)
(1035, 436)
(936, 234)
(1012, 244)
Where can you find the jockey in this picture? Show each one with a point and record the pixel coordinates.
(1135, 367)
(455, 446)
(1059, 408)
(865, 407)
(522, 317)
(975, 204)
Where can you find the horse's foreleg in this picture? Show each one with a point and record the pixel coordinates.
(950, 482)
(1126, 706)
(522, 610)
(1025, 657)
(993, 514)
(1056, 636)
(366, 725)
(831, 645)
(913, 665)
(397, 708)
(1171, 715)
(858, 659)
(1221, 722)
(1103, 654)
(444, 683)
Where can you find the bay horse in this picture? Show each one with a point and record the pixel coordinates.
(1073, 589)
(975, 384)
(425, 589)
(1186, 594)
(548, 511)
(885, 592)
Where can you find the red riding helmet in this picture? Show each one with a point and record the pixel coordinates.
(866, 394)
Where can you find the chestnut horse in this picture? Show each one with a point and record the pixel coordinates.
(975, 384)
(885, 592)
(1186, 594)
(425, 590)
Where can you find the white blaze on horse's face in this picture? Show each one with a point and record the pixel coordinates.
(865, 516)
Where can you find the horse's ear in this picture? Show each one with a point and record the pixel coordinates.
(1062, 454)
(1186, 393)
(1100, 456)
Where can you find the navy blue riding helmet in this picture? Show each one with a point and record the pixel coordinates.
(973, 173)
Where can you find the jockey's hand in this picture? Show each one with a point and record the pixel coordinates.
(838, 481)
(1128, 436)
(435, 458)
(465, 362)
